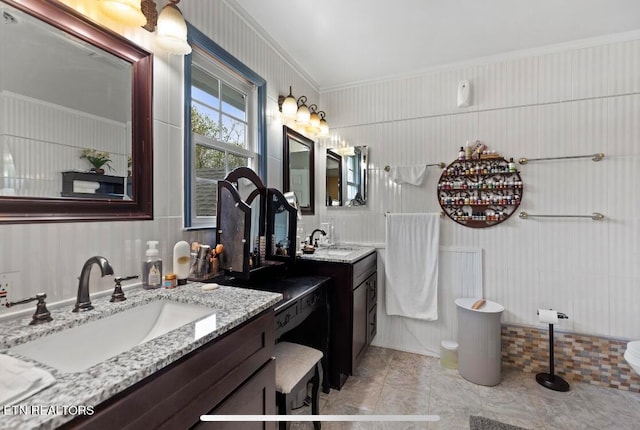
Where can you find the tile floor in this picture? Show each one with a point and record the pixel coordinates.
(395, 382)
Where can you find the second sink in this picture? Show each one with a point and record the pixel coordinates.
(78, 348)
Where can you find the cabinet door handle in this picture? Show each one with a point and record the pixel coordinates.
(313, 300)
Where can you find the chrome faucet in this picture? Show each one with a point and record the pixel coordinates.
(315, 244)
(83, 303)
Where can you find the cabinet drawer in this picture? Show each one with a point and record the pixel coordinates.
(364, 268)
(286, 316)
(312, 301)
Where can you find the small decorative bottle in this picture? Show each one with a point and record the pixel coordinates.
(461, 154)
(512, 165)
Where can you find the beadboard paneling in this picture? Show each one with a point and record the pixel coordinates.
(49, 257)
(571, 102)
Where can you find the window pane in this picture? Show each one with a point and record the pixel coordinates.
(204, 121)
(234, 132)
(205, 97)
(210, 160)
(236, 161)
(207, 86)
(209, 169)
(233, 103)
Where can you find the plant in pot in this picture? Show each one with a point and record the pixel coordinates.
(98, 159)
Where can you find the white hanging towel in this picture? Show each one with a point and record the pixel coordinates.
(411, 270)
(20, 380)
(413, 175)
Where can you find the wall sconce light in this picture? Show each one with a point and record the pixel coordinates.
(172, 30)
(127, 12)
(170, 27)
(306, 118)
(288, 106)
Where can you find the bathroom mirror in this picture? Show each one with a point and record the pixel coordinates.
(347, 176)
(68, 86)
(298, 164)
(282, 222)
(233, 230)
(333, 179)
(253, 192)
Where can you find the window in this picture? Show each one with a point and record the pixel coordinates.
(224, 117)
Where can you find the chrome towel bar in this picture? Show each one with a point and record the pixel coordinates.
(440, 165)
(595, 157)
(596, 216)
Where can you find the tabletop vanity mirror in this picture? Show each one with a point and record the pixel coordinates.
(254, 224)
(76, 137)
(346, 175)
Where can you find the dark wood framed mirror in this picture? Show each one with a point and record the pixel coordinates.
(89, 81)
(298, 168)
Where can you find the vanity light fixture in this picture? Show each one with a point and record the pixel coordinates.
(170, 27)
(127, 12)
(172, 30)
(308, 119)
(314, 120)
(304, 115)
(324, 126)
(288, 106)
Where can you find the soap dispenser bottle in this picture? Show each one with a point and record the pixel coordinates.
(182, 261)
(152, 267)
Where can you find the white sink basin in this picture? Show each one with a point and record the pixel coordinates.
(78, 348)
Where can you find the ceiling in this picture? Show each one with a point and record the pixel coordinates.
(342, 42)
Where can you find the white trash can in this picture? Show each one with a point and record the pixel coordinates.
(479, 341)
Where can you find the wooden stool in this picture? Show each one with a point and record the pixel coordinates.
(296, 365)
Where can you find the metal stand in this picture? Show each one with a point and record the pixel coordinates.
(550, 380)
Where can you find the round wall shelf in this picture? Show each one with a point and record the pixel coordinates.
(481, 192)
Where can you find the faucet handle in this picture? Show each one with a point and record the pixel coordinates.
(42, 314)
(118, 294)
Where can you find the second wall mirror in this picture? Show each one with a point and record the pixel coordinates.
(298, 173)
(346, 176)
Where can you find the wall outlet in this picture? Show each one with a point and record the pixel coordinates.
(9, 284)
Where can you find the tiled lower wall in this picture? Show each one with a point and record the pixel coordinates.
(579, 358)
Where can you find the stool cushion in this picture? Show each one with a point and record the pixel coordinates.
(293, 362)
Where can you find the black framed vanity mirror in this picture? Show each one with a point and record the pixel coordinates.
(282, 223)
(72, 90)
(346, 175)
(253, 221)
(298, 168)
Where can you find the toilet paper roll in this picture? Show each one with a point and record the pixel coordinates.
(548, 316)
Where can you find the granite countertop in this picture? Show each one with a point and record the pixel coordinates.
(232, 307)
(339, 253)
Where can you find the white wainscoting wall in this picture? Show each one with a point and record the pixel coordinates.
(49, 257)
(569, 100)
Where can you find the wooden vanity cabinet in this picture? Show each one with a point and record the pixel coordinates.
(352, 311)
(231, 375)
